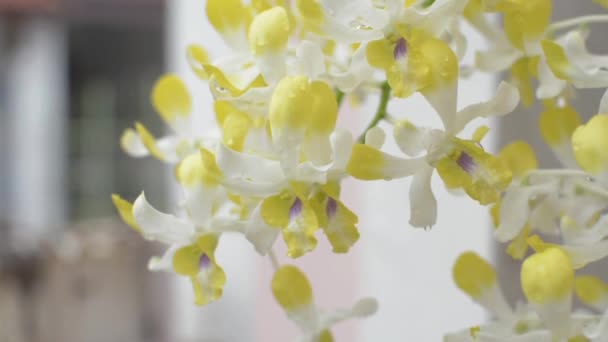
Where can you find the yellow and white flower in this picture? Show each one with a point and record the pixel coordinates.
(297, 184)
(173, 103)
(293, 292)
(460, 163)
(192, 241)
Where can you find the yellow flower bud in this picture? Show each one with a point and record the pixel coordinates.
(269, 31)
(547, 276)
(473, 275)
(291, 288)
(589, 143)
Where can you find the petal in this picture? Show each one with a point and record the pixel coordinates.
(299, 234)
(163, 149)
(132, 144)
(499, 59)
(171, 99)
(504, 102)
(599, 331)
(549, 86)
(368, 163)
(515, 209)
(357, 72)
(197, 58)
(268, 37)
(412, 140)
(443, 100)
(375, 137)
(125, 210)
(161, 227)
(310, 59)
(165, 262)
(603, 108)
(250, 174)
(423, 205)
(261, 234)
(230, 19)
(363, 308)
(341, 228)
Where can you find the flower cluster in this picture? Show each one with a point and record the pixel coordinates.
(274, 164)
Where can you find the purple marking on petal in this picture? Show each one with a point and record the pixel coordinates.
(296, 208)
(331, 207)
(204, 261)
(466, 162)
(400, 49)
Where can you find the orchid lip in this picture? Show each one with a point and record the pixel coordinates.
(296, 208)
(331, 207)
(204, 261)
(466, 162)
(400, 49)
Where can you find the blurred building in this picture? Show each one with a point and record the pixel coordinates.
(73, 75)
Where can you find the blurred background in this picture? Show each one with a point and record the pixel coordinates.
(73, 75)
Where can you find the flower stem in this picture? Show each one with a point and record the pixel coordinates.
(339, 97)
(381, 113)
(588, 19)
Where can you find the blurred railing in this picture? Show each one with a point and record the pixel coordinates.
(91, 285)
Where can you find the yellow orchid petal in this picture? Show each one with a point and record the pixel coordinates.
(368, 163)
(341, 227)
(519, 158)
(299, 234)
(324, 109)
(380, 54)
(291, 288)
(234, 123)
(171, 98)
(522, 74)
(312, 14)
(291, 104)
(275, 209)
(149, 141)
(556, 59)
(227, 15)
(198, 57)
(525, 20)
(269, 31)
(483, 176)
(125, 210)
(591, 290)
(547, 276)
(473, 275)
(589, 143)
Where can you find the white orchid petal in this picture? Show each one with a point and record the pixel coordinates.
(272, 67)
(515, 209)
(549, 86)
(165, 262)
(261, 235)
(159, 226)
(375, 137)
(444, 100)
(423, 205)
(358, 71)
(236, 165)
(311, 60)
(504, 102)
(498, 59)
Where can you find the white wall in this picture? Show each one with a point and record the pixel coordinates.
(410, 270)
(230, 319)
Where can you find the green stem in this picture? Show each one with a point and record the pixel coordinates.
(339, 97)
(588, 19)
(380, 112)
